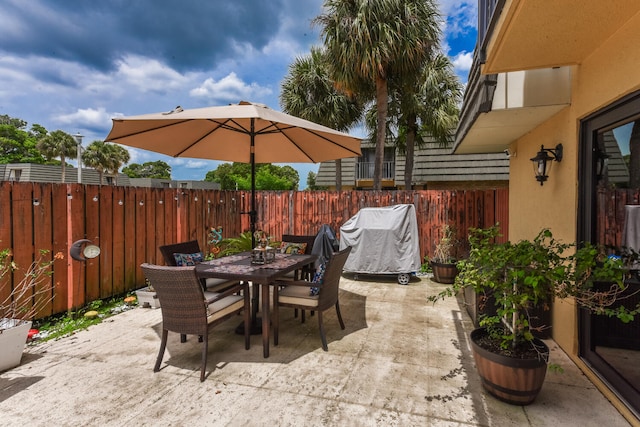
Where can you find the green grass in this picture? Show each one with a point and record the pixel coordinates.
(66, 324)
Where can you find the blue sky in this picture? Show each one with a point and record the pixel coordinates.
(75, 64)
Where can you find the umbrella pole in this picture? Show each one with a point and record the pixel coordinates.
(252, 212)
(256, 324)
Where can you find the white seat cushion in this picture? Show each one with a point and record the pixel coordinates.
(210, 296)
(298, 295)
(224, 306)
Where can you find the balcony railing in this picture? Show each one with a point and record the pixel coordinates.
(488, 13)
(364, 170)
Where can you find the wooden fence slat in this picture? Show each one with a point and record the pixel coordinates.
(141, 234)
(43, 238)
(502, 213)
(120, 207)
(93, 217)
(23, 249)
(77, 297)
(134, 205)
(107, 207)
(156, 200)
(60, 235)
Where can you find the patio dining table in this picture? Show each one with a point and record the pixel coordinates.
(240, 267)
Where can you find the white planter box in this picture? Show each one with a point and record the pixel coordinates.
(147, 298)
(13, 337)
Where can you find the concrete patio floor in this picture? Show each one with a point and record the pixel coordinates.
(400, 362)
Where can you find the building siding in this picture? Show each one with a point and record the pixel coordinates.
(433, 165)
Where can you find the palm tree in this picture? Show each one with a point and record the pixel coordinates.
(431, 109)
(94, 157)
(373, 40)
(105, 157)
(308, 92)
(117, 157)
(58, 144)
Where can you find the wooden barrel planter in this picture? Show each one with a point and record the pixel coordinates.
(444, 272)
(514, 381)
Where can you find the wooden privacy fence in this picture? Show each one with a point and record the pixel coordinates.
(129, 224)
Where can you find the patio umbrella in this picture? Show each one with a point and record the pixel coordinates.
(245, 132)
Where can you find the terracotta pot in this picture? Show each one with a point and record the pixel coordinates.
(514, 381)
(444, 272)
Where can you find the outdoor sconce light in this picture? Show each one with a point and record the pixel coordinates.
(542, 161)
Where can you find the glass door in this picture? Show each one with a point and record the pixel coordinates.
(609, 214)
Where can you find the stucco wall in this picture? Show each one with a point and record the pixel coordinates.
(608, 73)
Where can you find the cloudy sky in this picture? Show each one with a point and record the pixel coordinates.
(75, 64)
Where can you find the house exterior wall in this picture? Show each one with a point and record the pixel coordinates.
(608, 73)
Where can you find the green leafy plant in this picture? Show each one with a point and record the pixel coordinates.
(235, 245)
(526, 274)
(425, 267)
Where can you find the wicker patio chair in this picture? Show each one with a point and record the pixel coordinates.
(192, 247)
(298, 294)
(186, 311)
(305, 273)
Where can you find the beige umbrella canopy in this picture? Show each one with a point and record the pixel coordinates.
(228, 132)
(244, 132)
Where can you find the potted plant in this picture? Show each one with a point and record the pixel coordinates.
(521, 276)
(443, 263)
(24, 298)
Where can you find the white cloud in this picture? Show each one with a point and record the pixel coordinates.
(462, 62)
(147, 74)
(230, 88)
(86, 117)
(461, 14)
(195, 164)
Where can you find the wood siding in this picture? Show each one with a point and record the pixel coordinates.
(434, 166)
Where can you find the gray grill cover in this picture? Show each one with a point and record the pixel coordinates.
(383, 240)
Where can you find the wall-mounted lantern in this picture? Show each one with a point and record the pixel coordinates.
(544, 159)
